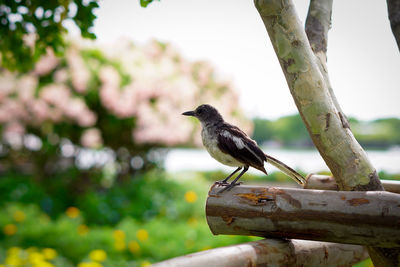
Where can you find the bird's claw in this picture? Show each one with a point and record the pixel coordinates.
(221, 183)
(229, 187)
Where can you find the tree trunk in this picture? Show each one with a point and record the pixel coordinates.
(325, 123)
(333, 139)
(364, 218)
(272, 252)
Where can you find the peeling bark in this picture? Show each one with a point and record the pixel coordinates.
(324, 182)
(364, 218)
(273, 252)
(394, 18)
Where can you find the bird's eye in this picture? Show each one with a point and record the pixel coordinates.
(200, 111)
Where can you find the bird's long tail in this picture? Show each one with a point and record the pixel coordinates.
(286, 169)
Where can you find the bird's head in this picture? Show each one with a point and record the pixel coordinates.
(205, 113)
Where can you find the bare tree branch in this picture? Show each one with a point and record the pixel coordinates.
(394, 18)
(273, 252)
(318, 23)
(352, 217)
(324, 182)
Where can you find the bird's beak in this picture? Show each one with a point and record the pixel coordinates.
(188, 113)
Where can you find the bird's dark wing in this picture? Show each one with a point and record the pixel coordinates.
(233, 141)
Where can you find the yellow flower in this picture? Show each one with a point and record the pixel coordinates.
(43, 264)
(119, 244)
(49, 253)
(19, 216)
(36, 258)
(89, 264)
(145, 264)
(119, 235)
(10, 229)
(134, 247)
(13, 250)
(142, 235)
(98, 255)
(13, 261)
(83, 229)
(190, 196)
(72, 212)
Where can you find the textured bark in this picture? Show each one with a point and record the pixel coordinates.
(335, 142)
(318, 23)
(394, 18)
(272, 252)
(364, 218)
(324, 182)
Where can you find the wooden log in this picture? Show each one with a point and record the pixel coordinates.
(324, 182)
(355, 217)
(273, 252)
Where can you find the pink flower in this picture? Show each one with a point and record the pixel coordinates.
(87, 119)
(26, 87)
(60, 76)
(55, 94)
(39, 109)
(91, 138)
(80, 74)
(46, 64)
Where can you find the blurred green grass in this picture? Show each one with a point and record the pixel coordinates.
(149, 218)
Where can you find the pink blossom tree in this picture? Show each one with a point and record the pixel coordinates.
(120, 96)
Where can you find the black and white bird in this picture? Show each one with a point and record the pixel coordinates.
(231, 146)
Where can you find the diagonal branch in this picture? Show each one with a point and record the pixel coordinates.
(318, 23)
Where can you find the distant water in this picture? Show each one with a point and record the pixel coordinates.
(306, 160)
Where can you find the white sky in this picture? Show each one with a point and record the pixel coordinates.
(363, 59)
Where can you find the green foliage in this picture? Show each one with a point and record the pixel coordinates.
(380, 133)
(290, 131)
(145, 3)
(262, 130)
(29, 28)
(157, 218)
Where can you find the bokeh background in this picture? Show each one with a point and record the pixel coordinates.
(99, 168)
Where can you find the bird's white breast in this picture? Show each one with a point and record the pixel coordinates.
(211, 144)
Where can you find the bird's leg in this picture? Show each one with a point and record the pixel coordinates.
(227, 178)
(231, 185)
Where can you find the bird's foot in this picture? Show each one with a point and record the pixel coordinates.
(229, 187)
(221, 183)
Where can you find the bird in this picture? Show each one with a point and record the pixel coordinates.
(232, 147)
